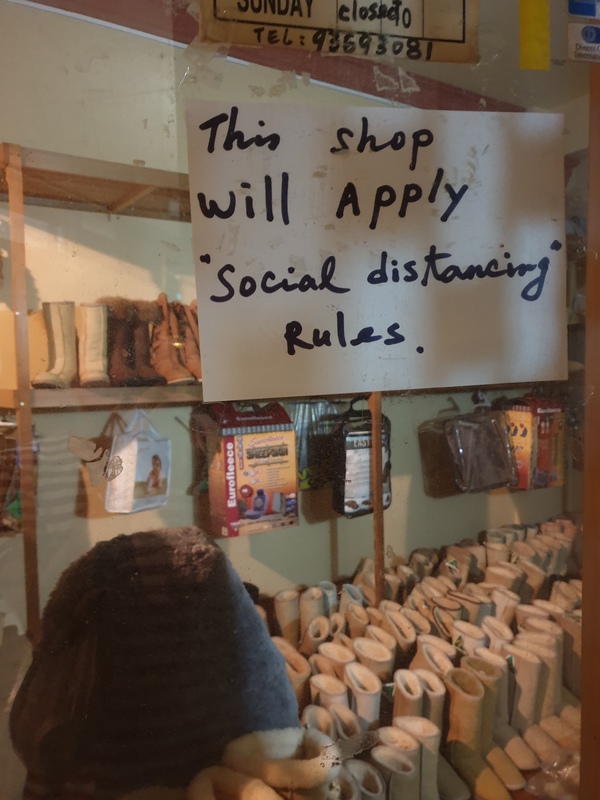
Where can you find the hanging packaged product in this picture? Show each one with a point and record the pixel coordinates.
(140, 467)
(437, 462)
(352, 443)
(536, 434)
(481, 451)
(252, 473)
(314, 421)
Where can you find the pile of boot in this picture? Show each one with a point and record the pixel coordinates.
(461, 680)
(120, 342)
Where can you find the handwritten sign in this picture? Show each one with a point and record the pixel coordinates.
(360, 249)
(428, 30)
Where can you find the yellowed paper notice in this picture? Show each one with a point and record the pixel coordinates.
(419, 30)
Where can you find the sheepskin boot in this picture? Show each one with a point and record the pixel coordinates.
(297, 668)
(565, 596)
(297, 762)
(329, 590)
(571, 625)
(326, 690)
(466, 695)
(393, 736)
(514, 746)
(365, 688)
(407, 694)
(350, 594)
(502, 765)
(190, 340)
(315, 634)
(446, 647)
(338, 656)
(166, 359)
(419, 621)
(428, 735)
(399, 773)
(466, 637)
(404, 633)
(475, 606)
(337, 624)
(317, 718)
(498, 634)
(370, 781)
(347, 724)
(347, 786)
(375, 656)
(449, 785)
(505, 603)
(524, 673)
(287, 614)
(91, 323)
(312, 605)
(59, 320)
(547, 649)
(377, 633)
(432, 658)
(357, 619)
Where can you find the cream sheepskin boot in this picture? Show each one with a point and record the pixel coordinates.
(399, 773)
(466, 694)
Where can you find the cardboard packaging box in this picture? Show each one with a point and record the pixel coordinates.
(252, 473)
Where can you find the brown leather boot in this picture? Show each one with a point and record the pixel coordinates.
(165, 347)
(188, 334)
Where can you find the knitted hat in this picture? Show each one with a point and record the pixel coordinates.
(152, 658)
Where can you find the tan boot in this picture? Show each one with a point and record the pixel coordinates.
(365, 688)
(399, 773)
(297, 668)
(407, 694)
(466, 694)
(287, 614)
(189, 336)
(375, 656)
(338, 656)
(428, 735)
(165, 346)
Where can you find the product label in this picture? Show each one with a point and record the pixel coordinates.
(584, 42)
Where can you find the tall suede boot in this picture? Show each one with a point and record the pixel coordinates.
(165, 346)
(59, 320)
(189, 337)
(91, 322)
(502, 765)
(466, 694)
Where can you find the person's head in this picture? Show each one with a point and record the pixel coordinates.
(156, 462)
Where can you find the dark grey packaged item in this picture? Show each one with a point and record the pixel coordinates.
(352, 464)
(481, 451)
(437, 460)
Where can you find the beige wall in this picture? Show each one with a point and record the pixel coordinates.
(79, 88)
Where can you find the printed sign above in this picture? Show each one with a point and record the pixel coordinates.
(375, 249)
(427, 30)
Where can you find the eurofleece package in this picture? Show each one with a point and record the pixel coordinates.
(252, 474)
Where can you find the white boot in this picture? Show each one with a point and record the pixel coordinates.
(311, 605)
(287, 614)
(365, 688)
(91, 323)
(514, 746)
(407, 694)
(502, 765)
(338, 656)
(436, 641)
(315, 634)
(357, 619)
(326, 690)
(450, 786)
(571, 625)
(59, 319)
(403, 632)
(337, 624)
(464, 736)
(383, 637)
(369, 779)
(399, 773)
(432, 658)
(505, 602)
(317, 718)
(428, 734)
(546, 647)
(346, 722)
(526, 668)
(466, 637)
(498, 634)
(375, 656)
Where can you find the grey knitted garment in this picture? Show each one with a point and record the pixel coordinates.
(166, 661)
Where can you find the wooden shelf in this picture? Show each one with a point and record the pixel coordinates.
(87, 184)
(111, 397)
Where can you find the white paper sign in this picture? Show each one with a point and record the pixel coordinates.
(348, 250)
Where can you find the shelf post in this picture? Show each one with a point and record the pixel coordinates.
(14, 179)
(377, 494)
